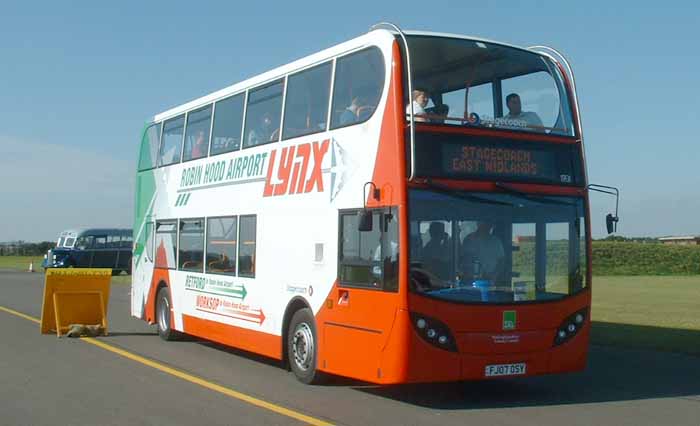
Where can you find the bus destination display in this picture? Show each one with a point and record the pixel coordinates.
(468, 157)
(478, 160)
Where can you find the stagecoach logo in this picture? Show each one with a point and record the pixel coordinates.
(509, 320)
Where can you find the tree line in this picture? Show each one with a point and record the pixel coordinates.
(23, 248)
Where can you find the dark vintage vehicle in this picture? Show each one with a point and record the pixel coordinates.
(92, 248)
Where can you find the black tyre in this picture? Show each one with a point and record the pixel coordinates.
(302, 347)
(116, 272)
(163, 315)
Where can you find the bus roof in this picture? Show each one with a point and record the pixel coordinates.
(95, 231)
(305, 62)
(308, 61)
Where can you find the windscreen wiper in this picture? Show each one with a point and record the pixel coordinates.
(463, 195)
(530, 197)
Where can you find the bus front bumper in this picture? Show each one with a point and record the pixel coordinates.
(427, 363)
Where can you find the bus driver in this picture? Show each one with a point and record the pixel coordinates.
(485, 248)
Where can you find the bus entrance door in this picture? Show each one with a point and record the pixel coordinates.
(362, 306)
(355, 331)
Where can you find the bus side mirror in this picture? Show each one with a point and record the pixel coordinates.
(386, 220)
(364, 222)
(611, 222)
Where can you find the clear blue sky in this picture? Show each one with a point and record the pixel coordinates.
(79, 79)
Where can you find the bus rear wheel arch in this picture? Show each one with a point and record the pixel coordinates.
(163, 315)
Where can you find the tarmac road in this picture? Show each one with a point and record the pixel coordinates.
(50, 381)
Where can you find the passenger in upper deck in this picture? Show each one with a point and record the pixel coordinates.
(515, 112)
(199, 149)
(263, 133)
(350, 114)
(420, 101)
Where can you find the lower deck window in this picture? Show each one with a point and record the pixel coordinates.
(246, 254)
(166, 238)
(222, 244)
(191, 247)
(369, 258)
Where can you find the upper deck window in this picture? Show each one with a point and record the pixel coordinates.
(263, 115)
(171, 143)
(197, 134)
(473, 83)
(306, 108)
(359, 81)
(149, 147)
(228, 123)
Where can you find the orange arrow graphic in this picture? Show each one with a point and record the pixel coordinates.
(256, 315)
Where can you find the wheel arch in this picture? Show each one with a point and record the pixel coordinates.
(297, 303)
(152, 300)
(160, 285)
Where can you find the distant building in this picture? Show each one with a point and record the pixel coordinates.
(520, 239)
(685, 240)
(11, 248)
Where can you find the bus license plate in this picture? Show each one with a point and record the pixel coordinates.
(505, 369)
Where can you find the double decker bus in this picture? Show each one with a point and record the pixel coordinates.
(402, 207)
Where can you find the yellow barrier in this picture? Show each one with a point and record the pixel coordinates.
(75, 296)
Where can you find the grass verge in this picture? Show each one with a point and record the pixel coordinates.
(647, 312)
(21, 263)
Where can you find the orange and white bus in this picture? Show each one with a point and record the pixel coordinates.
(401, 207)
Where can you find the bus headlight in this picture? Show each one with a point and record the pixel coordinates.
(434, 332)
(570, 327)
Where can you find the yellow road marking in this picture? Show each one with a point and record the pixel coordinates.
(19, 314)
(190, 378)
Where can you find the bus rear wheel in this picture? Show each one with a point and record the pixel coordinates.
(165, 331)
(302, 347)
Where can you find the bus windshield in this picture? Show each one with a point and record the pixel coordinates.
(473, 83)
(496, 248)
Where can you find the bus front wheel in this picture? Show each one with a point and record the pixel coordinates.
(302, 347)
(165, 331)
